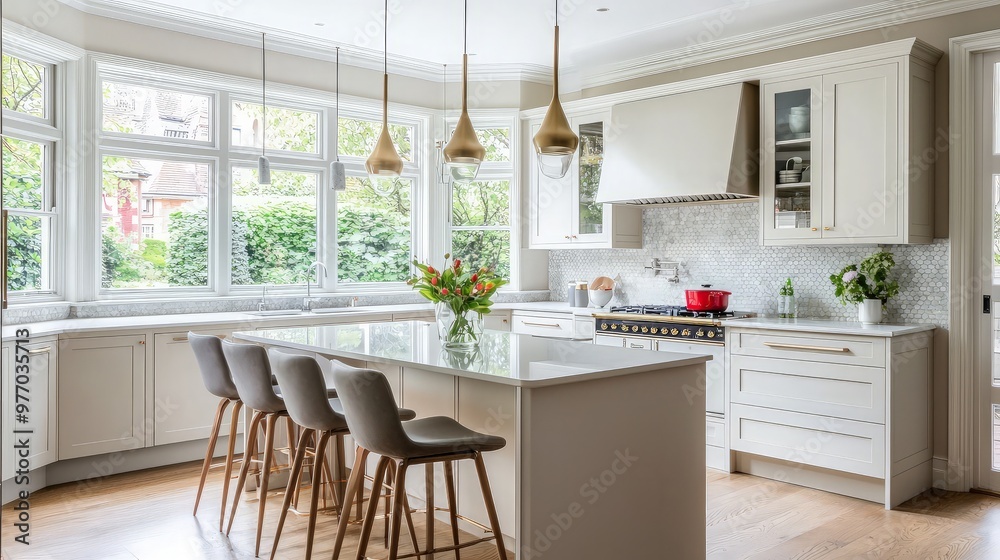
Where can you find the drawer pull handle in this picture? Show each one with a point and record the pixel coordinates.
(634, 345)
(550, 325)
(36, 351)
(781, 346)
(185, 339)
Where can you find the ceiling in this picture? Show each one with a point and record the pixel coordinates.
(519, 32)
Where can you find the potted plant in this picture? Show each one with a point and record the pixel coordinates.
(461, 298)
(868, 285)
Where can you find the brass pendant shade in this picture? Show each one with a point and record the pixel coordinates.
(464, 153)
(384, 162)
(555, 142)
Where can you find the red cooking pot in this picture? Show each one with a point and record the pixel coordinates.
(707, 299)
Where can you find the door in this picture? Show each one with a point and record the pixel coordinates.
(792, 151)
(861, 153)
(101, 395)
(988, 423)
(550, 205)
(591, 221)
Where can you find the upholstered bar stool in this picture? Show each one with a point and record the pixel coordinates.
(301, 381)
(371, 416)
(252, 377)
(219, 381)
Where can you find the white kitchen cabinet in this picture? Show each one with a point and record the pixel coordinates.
(497, 321)
(861, 135)
(101, 395)
(846, 413)
(7, 452)
(40, 396)
(186, 408)
(562, 212)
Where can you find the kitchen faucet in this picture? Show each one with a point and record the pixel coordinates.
(316, 266)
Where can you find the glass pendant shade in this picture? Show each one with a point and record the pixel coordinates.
(338, 176)
(464, 153)
(263, 171)
(555, 142)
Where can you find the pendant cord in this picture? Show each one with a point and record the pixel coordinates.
(385, 46)
(263, 93)
(465, 37)
(336, 110)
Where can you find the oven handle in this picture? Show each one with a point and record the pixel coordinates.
(781, 346)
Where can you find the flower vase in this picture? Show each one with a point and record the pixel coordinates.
(458, 331)
(870, 311)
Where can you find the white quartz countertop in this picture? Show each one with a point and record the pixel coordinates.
(249, 321)
(823, 326)
(502, 357)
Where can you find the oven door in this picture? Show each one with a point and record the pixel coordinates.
(715, 370)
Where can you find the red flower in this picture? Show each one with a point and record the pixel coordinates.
(489, 285)
(475, 278)
(444, 291)
(479, 287)
(458, 263)
(434, 281)
(431, 270)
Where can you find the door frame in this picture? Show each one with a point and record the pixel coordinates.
(964, 364)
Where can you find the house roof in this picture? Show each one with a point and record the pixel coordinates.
(178, 179)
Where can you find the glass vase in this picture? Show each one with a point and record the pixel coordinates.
(458, 331)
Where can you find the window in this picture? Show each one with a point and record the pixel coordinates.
(287, 129)
(24, 87)
(167, 247)
(274, 227)
(27, 196)
(357, 138)
(145, 111)
(147, 205)
(481, 211)
(374, 239)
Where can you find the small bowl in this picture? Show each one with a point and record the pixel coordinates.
(600, 298)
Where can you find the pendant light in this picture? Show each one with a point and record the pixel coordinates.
(555, 142)
(384, 162)
(263, 164)
(337, 171)
(464, 153)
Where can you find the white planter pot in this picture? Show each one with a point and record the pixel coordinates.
(870, 311)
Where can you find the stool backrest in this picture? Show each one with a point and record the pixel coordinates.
(212, 364)
(303, 388)
(371, 410)
(252, 376)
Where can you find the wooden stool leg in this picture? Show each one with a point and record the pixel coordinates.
(290, 434)
(265, 473)
(449, 480)
(429, 499)
(491, 509)
(247, 459)
(219, 411)
(317, 487)
(366, 527)
(294, 475)
(409, 522)
(234, 423)
(356, 482)
(397, 508)
(391, 475)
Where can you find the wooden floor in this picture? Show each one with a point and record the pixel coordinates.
(147, 516)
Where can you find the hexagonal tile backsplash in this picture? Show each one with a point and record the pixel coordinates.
(719, 244)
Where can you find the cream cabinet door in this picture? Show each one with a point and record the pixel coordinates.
(861, 146)
(550, 206)
(7, 452)
(101, 395)
(38, 393)
(184, 409)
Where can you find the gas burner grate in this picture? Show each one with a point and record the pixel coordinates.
(674, 311)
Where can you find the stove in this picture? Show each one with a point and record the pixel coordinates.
(667, 322)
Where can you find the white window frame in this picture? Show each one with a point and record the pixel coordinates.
(138, 80)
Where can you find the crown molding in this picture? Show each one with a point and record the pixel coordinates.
(29, 42)
(885, 15)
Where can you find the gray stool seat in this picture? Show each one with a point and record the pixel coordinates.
(440, 435)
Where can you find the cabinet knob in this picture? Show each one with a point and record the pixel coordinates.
(815, 229)
(142, 342)
(566, 236)
(828, 229)
(574, 237)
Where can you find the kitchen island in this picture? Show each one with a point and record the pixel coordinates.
(605, 446)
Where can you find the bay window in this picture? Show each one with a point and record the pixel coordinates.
(374, 230)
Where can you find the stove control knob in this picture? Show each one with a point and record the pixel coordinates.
(645, 330)
(635, 328)
(700, 333)
(614, 326)
(711, 334)
(686, 332)
(674, 332)
(604, 326)
(654, 330)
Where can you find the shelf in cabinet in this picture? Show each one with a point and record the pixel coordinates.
(793, 143)
(792, 186)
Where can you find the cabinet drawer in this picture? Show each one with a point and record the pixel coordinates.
(608, 340)
(841, 391)
(639, 343)
(833, 349)
(715, 433)
(821, 441)
(542, 326)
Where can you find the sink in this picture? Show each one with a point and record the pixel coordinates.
(328, 310)
(276, 313)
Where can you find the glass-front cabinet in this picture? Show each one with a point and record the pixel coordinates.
(792, 151)
(565, 212)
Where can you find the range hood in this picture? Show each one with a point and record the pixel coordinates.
(700, 146)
